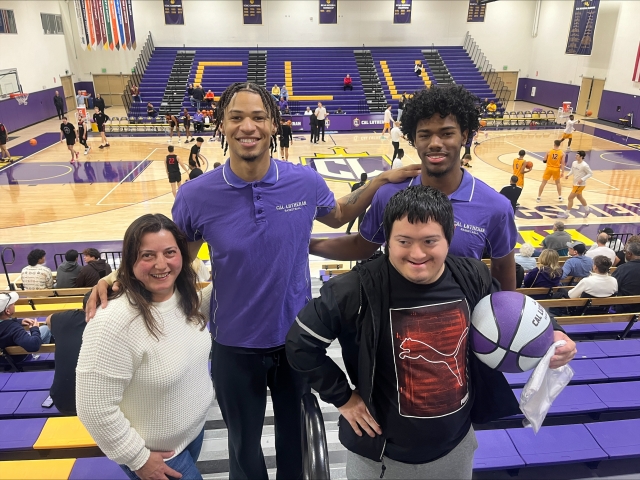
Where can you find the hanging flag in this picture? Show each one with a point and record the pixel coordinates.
(583, 25)
(132, 29)
(99, 16)
(114, 24)
(402, 11)
(90, 23)
(328, 11)
(636, 68)
(123, 40)
(82, 31)
(173, 12)
(125, 22)
(252, 12)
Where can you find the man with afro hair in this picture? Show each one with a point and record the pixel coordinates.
(437, 122)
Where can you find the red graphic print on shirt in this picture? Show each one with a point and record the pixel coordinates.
(430, 354)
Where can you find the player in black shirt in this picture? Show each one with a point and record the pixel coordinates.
(101, 118)
(285, 136)
(512, 192)
(173, 165)
(173, 122)
(3, 143)
(186, 119)
(194, 155)
(83, 127)
(68, 131)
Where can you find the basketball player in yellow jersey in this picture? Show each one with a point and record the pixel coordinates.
(519, 168)
(555, 167)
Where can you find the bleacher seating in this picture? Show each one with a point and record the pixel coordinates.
(400, 62)
(464, 71)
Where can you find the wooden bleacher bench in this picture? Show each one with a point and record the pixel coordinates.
(604, 318)
(44, 348)
(53, 292)
(332, 266)
(542, 290)
(590, 302)
(336, 272)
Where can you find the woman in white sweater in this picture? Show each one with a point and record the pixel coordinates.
(143, 385)
(600, 284)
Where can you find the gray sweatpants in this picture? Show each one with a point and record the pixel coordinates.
(456, 465)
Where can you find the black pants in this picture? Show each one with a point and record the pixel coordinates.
(81, 139)
(59, 112)
(396, 147)
(314, 133)
(350, 87)
(360, 218)
(320, 127)
(241, 382)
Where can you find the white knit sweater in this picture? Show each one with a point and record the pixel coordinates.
(135, 393)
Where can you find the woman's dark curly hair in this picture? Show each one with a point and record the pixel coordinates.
(443, 100)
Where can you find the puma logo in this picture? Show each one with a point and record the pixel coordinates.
(415, 349)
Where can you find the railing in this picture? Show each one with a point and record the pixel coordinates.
(112, 258)
(138, 70)
(6, 263)
(315, 456)
(502, 93)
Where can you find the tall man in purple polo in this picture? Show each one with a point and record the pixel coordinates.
(260, 267)
(438, 122)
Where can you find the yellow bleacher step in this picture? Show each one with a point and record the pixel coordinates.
(63, 432)
(55, 469)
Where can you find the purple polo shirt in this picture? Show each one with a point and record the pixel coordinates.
(258, 235)
(483, 218)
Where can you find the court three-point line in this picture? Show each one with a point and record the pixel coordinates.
(141, 164)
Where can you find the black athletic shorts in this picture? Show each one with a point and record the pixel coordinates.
(3, 140)
(101, 127)
(284, 143)
(174, 177)
(71, 140)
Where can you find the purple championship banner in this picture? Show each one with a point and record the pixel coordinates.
(402, 11)
(173, 12)
(583, 25)
(252, 12)
(328, 11)
(476, 11)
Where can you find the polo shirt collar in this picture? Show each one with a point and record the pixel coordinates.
(271, 177)
(464, 192)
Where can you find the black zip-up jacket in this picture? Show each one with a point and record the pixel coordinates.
(57, 101)
(351, 308)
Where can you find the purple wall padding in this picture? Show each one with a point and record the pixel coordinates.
(88, 86)
(39, 107)
(627, 103)
(550, 94)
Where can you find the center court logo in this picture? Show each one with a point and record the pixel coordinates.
(341, 166)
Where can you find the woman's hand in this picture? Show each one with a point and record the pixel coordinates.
(156, 469)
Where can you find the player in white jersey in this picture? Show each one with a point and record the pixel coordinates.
(568, 130)
(581, 172)
(388, 120)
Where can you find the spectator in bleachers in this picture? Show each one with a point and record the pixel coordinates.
(397, 163)
(601, 248)
(396, 135)
(283, 104)
(198, 121)
(308, 111)
(347, 83)
(67, 328)
(417, 69)
(599, 284)
(198, 96)
(209, 98)
(492, 109)
(548, 272)
(99, 102)
(68, 271)
(135, 93)
(36, 276)
(628, 274)
(579, 265)
(339, 111)
(525, 257)
(275, 91)
(284, 93)
(94, 268)
(151, 112)
(511, 191)
(558, 240)
(143, 386)
(12, 332)
(190, 94)
(614, 244)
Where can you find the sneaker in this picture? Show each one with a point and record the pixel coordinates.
(72, 161)
(169, 141)
(561, 199)
(107, 145)
(101, 146)
(88, 149)
(563, 215)
(538, 199)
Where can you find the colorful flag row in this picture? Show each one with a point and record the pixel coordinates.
(106, 24)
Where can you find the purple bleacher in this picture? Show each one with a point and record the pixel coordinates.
(620, 348)
(582, 329)
(4, 378)
(401, 62)
(465, 72)
(615, 327)
(620, 368)
(495, 451)
(26, 381)
(556, 445)
(96, 468)
(574, 399)
(589, 350)
(20, 434)
(31, 405)
(154, 81)
(584, 371)
(619, 439)
(9, 401)
(619, 395)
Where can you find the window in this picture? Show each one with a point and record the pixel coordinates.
(7, 22)
(51, 24)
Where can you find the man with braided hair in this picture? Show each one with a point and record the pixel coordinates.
(260, 262)
(437, 122)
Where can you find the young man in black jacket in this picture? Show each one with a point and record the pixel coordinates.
(403, 321)
(12, 330)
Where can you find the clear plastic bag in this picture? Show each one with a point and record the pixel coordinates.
(542, 388)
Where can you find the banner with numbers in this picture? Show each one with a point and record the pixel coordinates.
(252, 12)
(476, 11)
(105, 24)
(583, 26)
(173, 12)
(402, 11)
(328, 11)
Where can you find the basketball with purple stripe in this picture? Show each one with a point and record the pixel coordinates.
(510, 332)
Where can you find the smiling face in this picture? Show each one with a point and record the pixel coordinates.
(438, 142)
(418, 251)
(247, 127)
(158, 264)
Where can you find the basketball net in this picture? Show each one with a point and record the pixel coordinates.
(22, 99)
(563, 113)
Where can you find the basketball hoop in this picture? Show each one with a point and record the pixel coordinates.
(20, 97)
